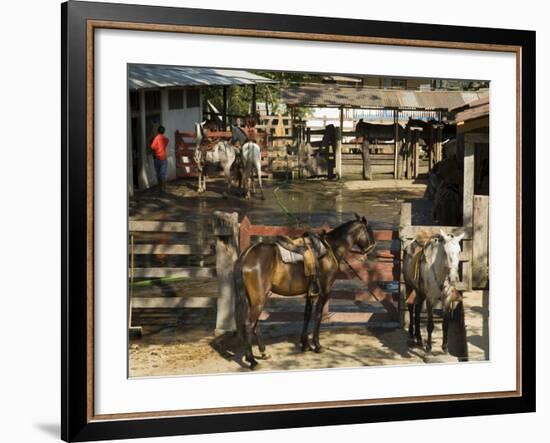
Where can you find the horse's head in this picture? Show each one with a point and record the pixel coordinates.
(451, 244)
(364, 239)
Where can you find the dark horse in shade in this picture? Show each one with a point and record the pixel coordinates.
(260, 270)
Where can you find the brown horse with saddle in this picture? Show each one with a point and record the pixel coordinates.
(304, 266)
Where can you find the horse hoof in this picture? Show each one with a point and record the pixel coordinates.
(319, 349)
(428, 349)
(265, 356)
(445, 349)
(307, 348)
(253, 365)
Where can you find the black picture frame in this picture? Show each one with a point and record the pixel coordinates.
(77, 425)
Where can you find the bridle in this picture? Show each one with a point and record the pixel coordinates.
(369, 248)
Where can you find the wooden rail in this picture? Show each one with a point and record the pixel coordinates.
(385, 269)
(138, 228)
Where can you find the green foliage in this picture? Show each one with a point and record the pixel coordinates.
(239, 98)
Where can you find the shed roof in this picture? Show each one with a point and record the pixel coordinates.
(336, 96)
(163, 76)
(473, 110)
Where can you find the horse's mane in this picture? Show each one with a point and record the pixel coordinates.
(344, 227)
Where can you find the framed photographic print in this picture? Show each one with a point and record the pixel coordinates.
(282, 221)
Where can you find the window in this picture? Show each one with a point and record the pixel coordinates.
(193, 98)
(175, 99)
(398, 83)
(152, 102)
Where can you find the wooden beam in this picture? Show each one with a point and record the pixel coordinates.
(405, 218)
(173, 249)
(338, 147)
(469, 181)
(158, 226)
(480, 252)
(227, 253)
(224, 108)
(473, 113)
(174, 302)
(396, 136)
(189, 272)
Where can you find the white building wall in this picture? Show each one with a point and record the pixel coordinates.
(173, 120)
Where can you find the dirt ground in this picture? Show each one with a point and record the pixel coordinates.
(190, 347)
(182, 342)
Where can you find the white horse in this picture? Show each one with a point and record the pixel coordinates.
(430, 269)
(252, 164)
(222, 153)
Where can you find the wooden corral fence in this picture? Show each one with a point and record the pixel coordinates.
(375, 282)
(153, 248)
(474, 259)
(185, 149)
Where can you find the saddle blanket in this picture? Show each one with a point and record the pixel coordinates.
(308, 259)
(289, 256)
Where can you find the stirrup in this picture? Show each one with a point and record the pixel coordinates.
(313, 289)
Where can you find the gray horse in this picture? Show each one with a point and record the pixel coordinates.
(430, 270)
(251, 160)
(221, 154)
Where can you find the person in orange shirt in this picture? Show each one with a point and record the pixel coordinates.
(159, 146)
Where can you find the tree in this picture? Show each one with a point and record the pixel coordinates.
(239, 98)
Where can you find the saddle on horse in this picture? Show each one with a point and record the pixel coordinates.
(417, 248)
(307, 249)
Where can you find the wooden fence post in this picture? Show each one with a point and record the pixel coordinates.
(226, 229)
(438, 145)
(469, 177)
(480, 252)
(338, 154)
(405, 220)
(365, 153)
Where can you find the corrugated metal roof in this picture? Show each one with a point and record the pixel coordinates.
(329, 96)
(162, 76)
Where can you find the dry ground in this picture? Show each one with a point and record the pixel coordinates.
(191, 348)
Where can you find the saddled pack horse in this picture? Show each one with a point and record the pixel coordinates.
(375, 132)
(251, 160)
(212, 154)
(261, 270)
(430, 271)
(448, 131)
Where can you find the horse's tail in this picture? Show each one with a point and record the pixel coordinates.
(242, 305)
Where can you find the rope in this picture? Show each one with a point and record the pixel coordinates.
(289, 214)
